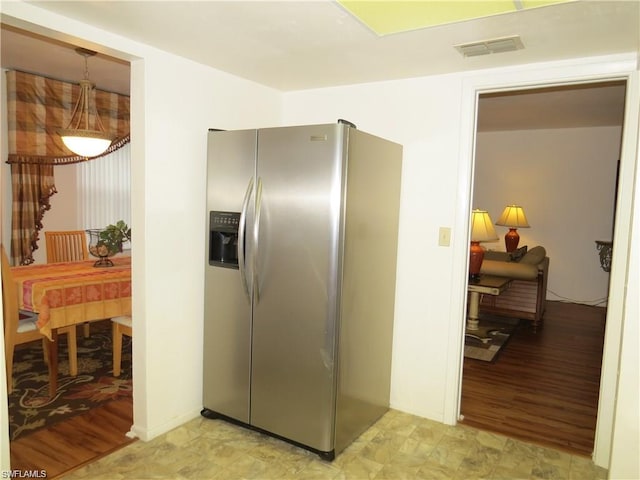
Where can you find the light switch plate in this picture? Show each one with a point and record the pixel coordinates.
(444, 237)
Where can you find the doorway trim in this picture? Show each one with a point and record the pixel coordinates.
(589, 70)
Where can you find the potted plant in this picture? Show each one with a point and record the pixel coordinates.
(113, 236)
(108, 241)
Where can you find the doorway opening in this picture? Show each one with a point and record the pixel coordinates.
(555, 152)
(109, 412)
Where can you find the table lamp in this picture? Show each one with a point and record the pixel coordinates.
(513, 217)
(481, 231)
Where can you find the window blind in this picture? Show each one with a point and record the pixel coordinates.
(104, 189)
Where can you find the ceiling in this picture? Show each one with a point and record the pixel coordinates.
(587, 105)
(293, 45)
(28, 52)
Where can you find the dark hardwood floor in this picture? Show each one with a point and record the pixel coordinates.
(544, 386)
(68, 445)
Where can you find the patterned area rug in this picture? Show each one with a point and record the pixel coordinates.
(492, 335)
(31, 408)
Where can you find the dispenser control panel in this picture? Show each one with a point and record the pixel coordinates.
(224, 220)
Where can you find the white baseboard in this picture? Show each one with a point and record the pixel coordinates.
(147, 434)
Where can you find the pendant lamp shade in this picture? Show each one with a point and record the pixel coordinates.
(79, 136)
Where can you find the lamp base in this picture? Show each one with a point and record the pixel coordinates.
(476, 255)
(511, 240)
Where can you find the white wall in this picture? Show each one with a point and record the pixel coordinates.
(63, 214)
(176, 101)
(4, 411)
(620, 381)
(565, 181)
(625, 462)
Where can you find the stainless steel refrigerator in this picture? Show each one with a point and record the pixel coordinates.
(300, 268)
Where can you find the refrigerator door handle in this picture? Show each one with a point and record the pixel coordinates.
(256, 237)
(242, 264)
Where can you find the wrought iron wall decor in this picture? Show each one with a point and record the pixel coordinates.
(605, 249)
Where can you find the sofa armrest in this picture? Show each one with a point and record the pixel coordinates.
(517, 271)
(535, 256)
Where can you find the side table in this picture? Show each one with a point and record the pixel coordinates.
(487, 284)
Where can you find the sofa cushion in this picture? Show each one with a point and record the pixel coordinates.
(496, 255)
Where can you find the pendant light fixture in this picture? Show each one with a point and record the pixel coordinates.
(78, 136)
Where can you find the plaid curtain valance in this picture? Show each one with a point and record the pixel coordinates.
(38, 106)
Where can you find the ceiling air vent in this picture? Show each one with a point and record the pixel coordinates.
(494, 45)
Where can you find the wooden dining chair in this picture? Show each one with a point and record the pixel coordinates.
(121, 326)
(19, 330)
(66, 246)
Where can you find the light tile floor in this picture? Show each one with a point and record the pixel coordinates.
(399, 446)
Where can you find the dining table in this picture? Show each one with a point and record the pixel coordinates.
(72, 293)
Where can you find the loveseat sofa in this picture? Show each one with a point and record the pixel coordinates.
(525, 297)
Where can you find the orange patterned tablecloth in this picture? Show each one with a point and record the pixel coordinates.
(69, 293)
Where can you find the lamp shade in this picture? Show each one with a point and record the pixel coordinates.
(513, 216)
(482, 227)
(85, 145)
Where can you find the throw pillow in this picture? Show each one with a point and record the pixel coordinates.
(517, 254)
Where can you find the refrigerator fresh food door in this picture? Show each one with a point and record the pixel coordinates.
(227, 304)
(298, 208)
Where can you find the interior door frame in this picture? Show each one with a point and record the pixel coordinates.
(591, 70)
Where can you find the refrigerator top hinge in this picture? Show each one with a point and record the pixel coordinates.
(347, 122)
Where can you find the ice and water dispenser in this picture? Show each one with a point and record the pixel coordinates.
(223, 239)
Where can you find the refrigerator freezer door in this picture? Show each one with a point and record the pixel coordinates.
(227, 308)
(297, 263)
